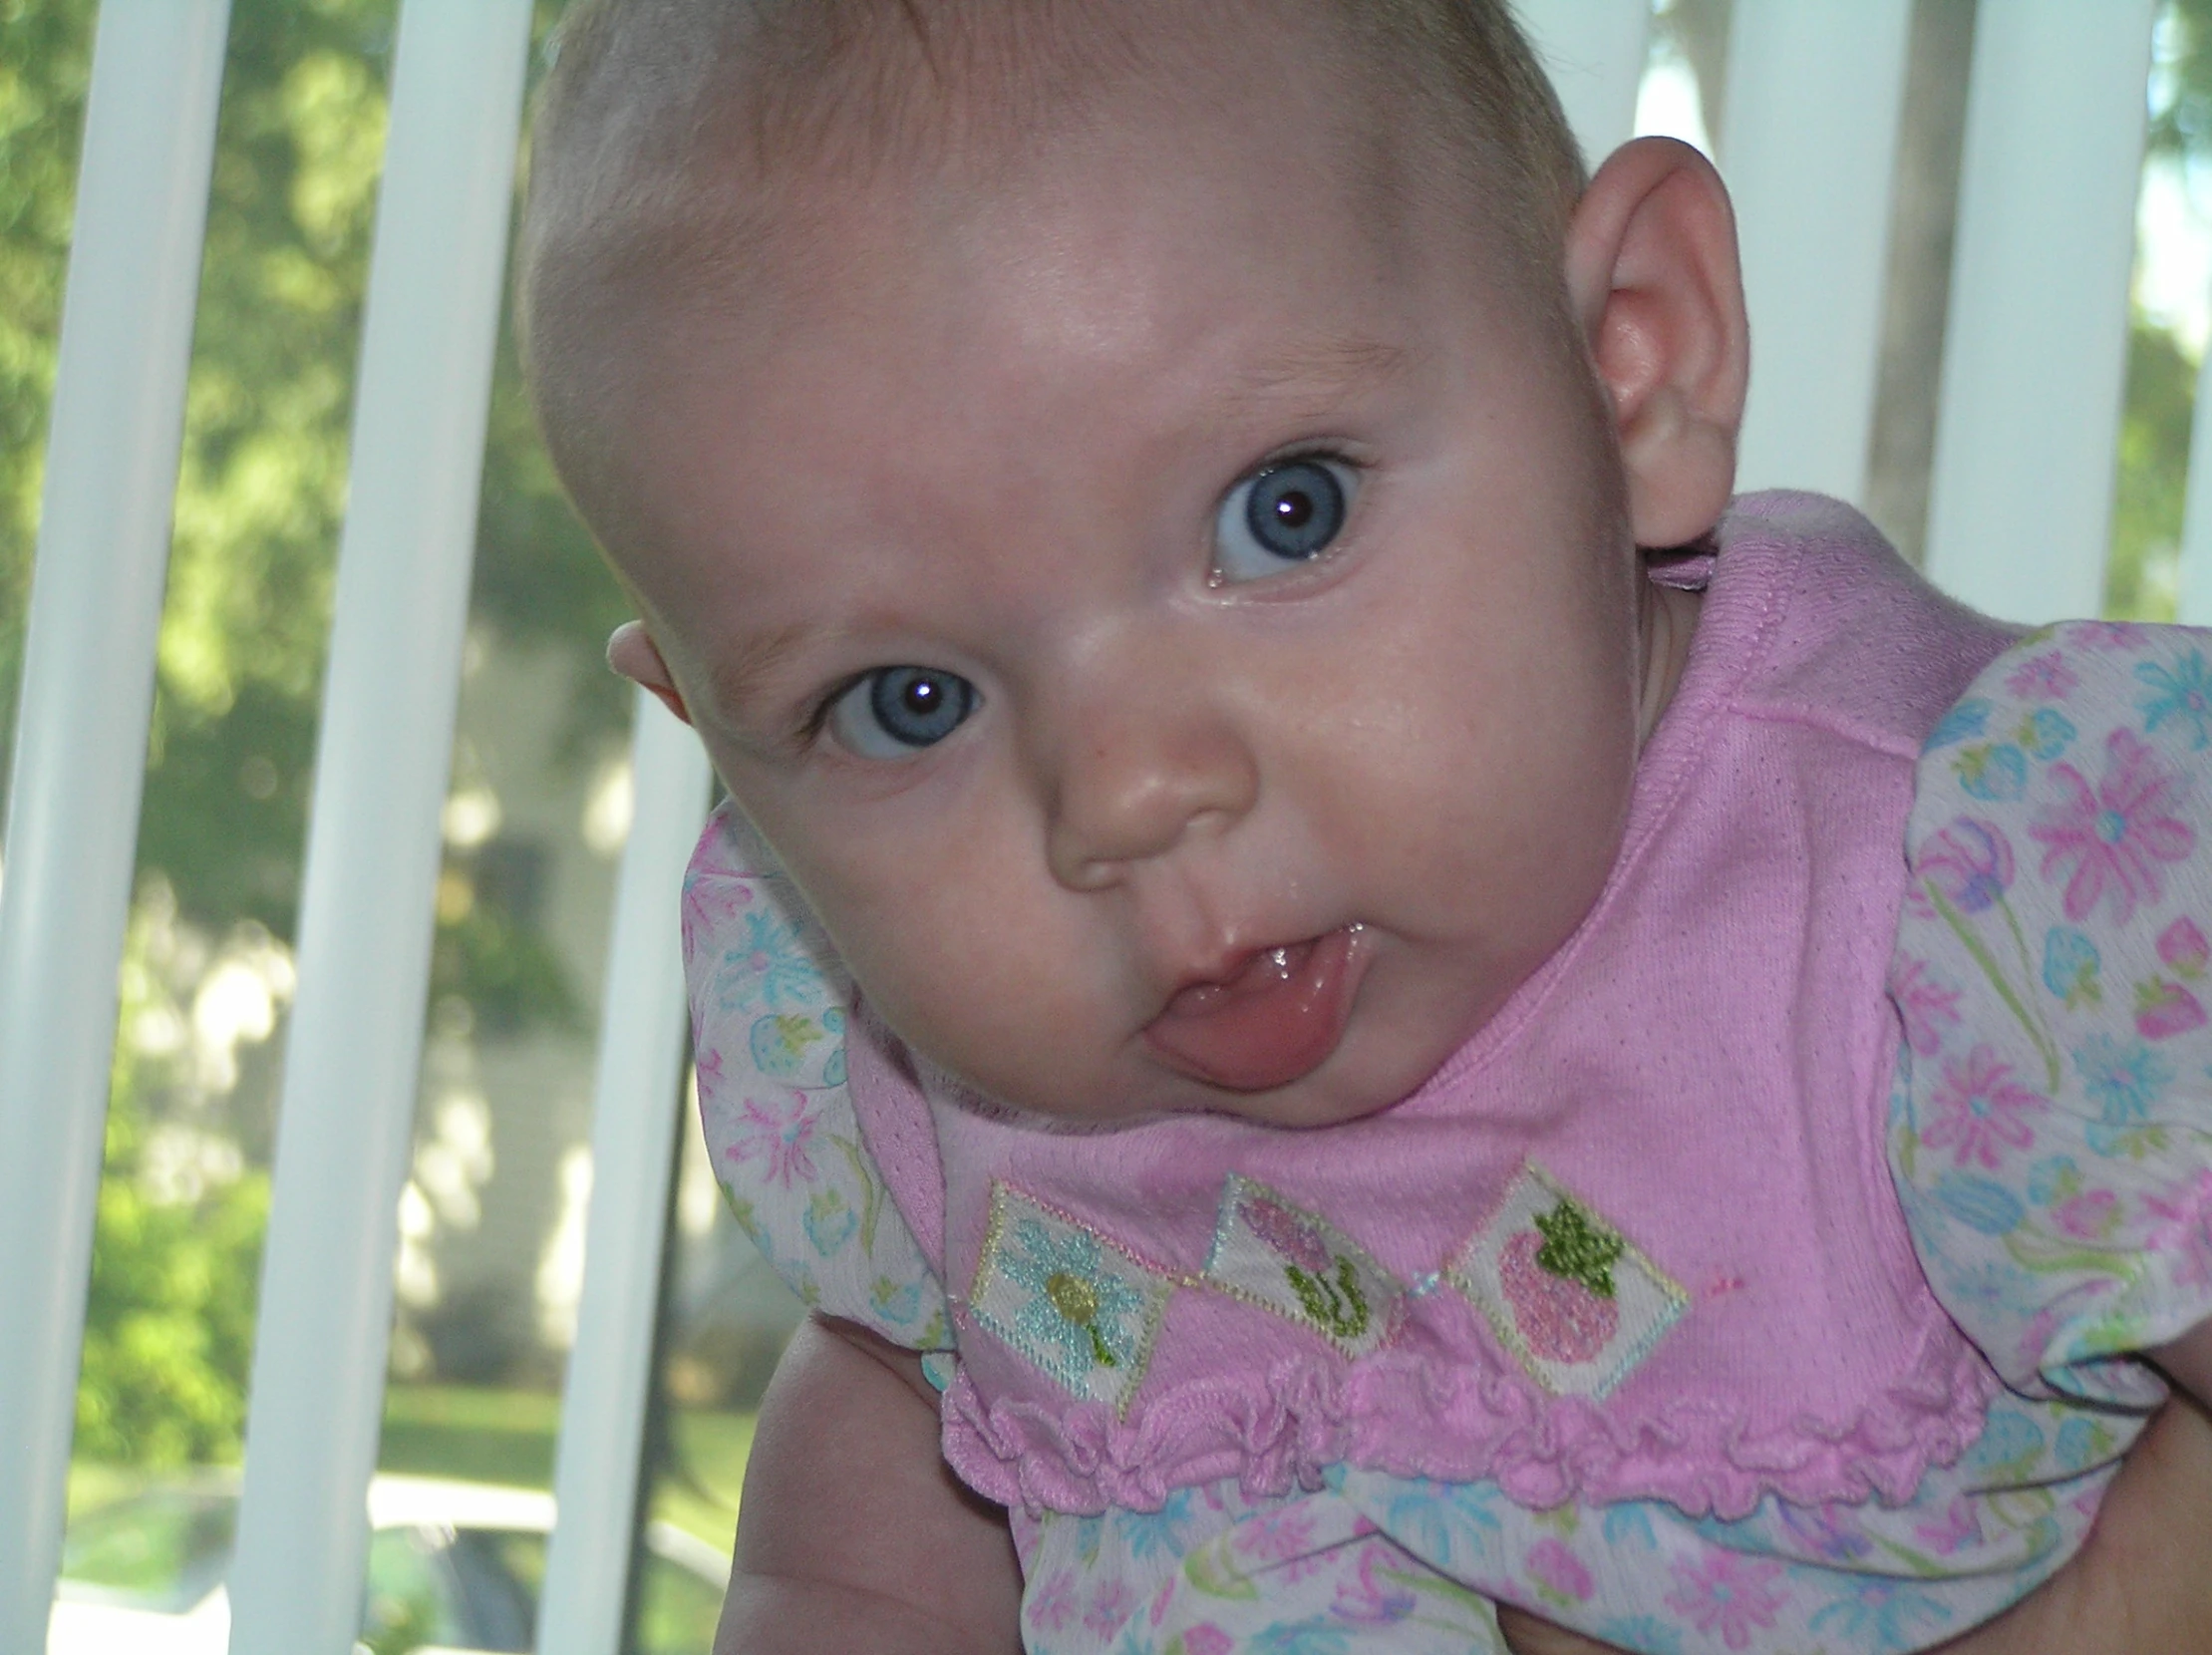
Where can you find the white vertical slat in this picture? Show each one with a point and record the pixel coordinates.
(2035, 348)
(2194, 606)
(1594, 49)
(80, 757)
(633, 1138)
(1815, 88)
(372, 863)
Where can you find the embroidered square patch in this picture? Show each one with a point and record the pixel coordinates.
(1068, 1299)
(1298, 1265)
(1566, 1293)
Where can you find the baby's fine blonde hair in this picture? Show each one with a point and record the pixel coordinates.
(670, 133)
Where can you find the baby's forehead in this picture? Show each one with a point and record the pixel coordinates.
(691, 157)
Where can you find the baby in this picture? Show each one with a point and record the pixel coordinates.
(1331, 1005)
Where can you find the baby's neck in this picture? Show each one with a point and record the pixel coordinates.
(1667, 623)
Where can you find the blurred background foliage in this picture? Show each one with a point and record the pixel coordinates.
(260, 497)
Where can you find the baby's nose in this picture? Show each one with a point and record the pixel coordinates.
(1134, 779)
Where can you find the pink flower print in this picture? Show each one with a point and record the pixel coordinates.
(1373, 1601)
(1289, 1233)
(2088, 1218)
(778, 1133)
(2182, 946)
(2107, 634)
(1979, 1106)
(2184, 1214)
(2045, 677)
(1924, 1005)
(1961, 1525)
(1053, 1605)
(1970, 863)
(2165, 1009)
(708, 1062)
(2114, 838)
(1207, 1639)
(1111, 1605)
(1284, 1539)
(1551, 1563)
(1726, 1593)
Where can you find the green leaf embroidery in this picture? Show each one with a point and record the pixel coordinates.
(1578, 1248)
(1340, 1307)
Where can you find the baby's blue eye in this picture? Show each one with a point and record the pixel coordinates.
(1279, 516)
(894, 712)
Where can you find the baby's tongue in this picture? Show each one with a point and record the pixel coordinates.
(1276, 1018)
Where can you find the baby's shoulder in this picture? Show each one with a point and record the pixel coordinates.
(1849, 636)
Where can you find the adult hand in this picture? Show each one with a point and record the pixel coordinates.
(2141, 1584)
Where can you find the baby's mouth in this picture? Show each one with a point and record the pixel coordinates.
(1272, 1020)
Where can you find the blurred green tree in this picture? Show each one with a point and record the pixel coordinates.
(260, 499)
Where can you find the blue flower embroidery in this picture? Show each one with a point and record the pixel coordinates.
(2125, 1078)
(2185, 695)
(1077, 1306)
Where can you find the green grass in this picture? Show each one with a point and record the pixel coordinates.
(497, 1436)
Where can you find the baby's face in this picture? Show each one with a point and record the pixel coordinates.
(1170, 610)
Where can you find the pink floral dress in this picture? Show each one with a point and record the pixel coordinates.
(2051, 1138)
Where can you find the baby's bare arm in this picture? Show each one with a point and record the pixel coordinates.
(2188, 1362)
(853, 1534)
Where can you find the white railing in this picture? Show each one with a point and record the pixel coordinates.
(2022, 497)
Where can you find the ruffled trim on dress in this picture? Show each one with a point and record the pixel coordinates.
(1408, 1417)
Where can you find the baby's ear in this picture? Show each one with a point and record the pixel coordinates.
(1652, 270)
(633, 653)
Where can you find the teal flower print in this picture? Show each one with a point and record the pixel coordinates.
(1967, 718)
(2124, 1078)
(1882, 1615)
(829, 1221)
(2070, 965)
(1165, 1531)
(2183, 695)
(1077, 1305)
(1980, 1204)
(2045, 733)
(1642, 1632)
(768, 967)
(1317, 1636)
(1997, 771)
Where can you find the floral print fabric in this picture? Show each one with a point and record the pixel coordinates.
(2053, 1139)
(768, 1004)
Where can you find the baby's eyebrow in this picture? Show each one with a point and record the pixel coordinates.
(736, 683)
(1322, 370)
